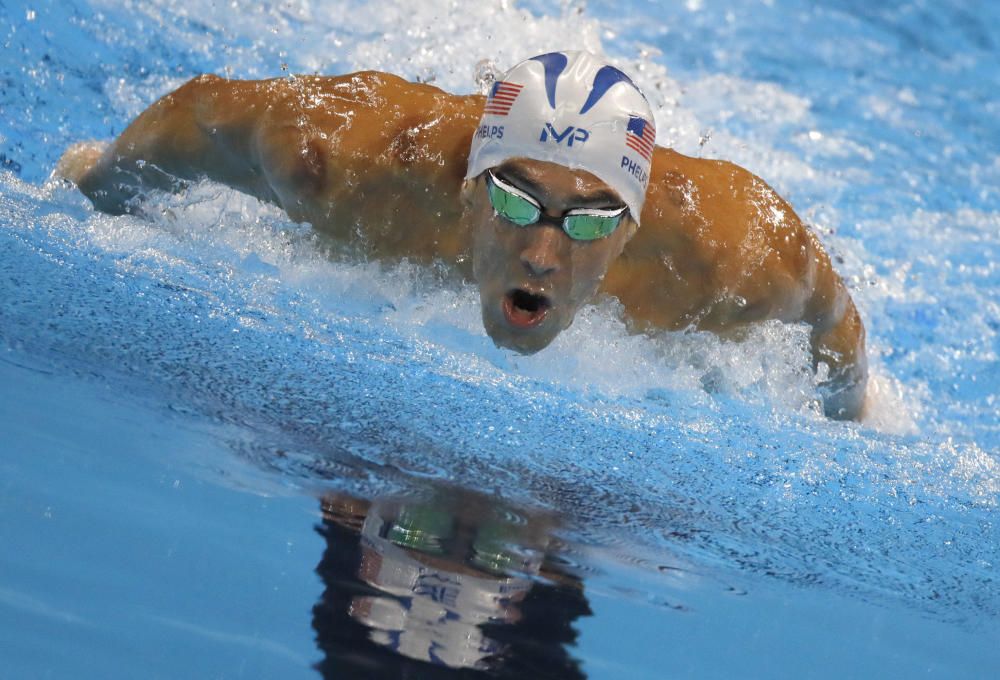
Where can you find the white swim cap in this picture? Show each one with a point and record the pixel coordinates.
(573, 109)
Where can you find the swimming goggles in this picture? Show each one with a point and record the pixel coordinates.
(580, 224)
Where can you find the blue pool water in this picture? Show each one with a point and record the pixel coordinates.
(176, 394)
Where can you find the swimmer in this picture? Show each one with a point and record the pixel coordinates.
(536, 191)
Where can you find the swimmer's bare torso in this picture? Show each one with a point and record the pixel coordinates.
(377, 161)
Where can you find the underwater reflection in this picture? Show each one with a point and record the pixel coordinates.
(449, 583)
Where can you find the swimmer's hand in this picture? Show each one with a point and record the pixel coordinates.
(78, 160)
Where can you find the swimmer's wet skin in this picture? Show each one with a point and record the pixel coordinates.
(544, 183)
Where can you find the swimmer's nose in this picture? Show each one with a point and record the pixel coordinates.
(541, 255)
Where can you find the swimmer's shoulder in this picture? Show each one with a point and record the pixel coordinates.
(714, 201)
(735, 229)
(690, 180)
(713, 220)
(687, 202)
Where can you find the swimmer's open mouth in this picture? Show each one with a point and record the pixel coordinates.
(524, 309)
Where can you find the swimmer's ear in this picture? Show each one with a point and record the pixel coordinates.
(468, 191)
(631, 226)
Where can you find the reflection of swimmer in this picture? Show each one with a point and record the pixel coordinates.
(428, 588)
(543, 211)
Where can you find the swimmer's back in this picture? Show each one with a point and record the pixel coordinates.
(366, 148)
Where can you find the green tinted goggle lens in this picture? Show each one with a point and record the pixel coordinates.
(582, 225)
(512, 207)
(590, 227)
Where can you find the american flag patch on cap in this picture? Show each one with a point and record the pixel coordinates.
(640, 136)
(502, 97)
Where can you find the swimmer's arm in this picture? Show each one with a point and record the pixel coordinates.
(803, 287)
(208, 128)
(784, 273)
(837, 338)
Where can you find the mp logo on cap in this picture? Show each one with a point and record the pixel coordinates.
(570, 134)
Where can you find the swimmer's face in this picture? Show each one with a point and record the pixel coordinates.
(533, 279)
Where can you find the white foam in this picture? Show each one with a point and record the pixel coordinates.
(220, 238)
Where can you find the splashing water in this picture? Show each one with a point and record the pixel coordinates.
(217, 305)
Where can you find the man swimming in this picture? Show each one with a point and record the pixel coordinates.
(536, 191)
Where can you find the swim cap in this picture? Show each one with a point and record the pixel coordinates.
(573, 109)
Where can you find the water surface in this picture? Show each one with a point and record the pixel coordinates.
(179, 393)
